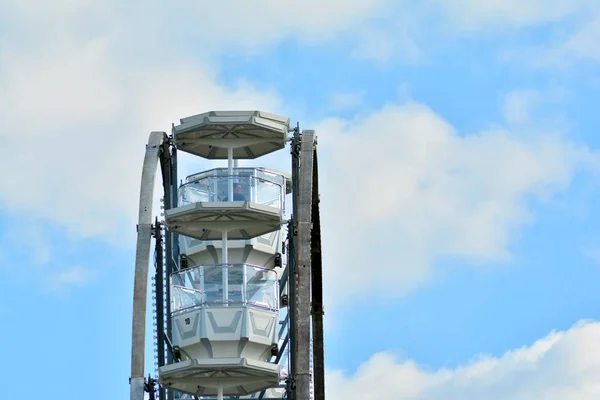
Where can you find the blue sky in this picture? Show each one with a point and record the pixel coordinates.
(459, 168)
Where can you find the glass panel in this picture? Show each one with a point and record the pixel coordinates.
(213, 284)
(203, 285)
(197, 193)
(262, 287)
(187, 289)
(248, 184)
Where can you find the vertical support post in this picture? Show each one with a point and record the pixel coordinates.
(220, 392)
(201, 285)
(292, 267)
(142, 259)
(317, 288)
(230, 173)
(159, 280)
(224, 234)
(168, 162)
(303, 256)
(225, 269)
(244, 284)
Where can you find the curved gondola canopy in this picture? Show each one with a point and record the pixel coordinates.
(251, 134)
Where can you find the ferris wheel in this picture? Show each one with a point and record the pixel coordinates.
(237, 278)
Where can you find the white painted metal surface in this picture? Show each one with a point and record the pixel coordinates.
(142, 259)
(207, 221)
(251, 134)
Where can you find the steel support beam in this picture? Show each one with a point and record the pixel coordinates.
(168, 158)
(168, 163)
(159, 281)
(292, 264)
(302, 323)
(142, 260)
(317, 288)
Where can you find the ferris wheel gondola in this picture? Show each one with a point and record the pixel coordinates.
(221, 291)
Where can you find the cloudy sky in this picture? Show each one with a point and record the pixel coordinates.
(459, 159)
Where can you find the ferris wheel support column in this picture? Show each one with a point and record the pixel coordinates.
(225, 272)
(302, 323)
(317, 288)
(224, 245)
(230, 173)
(142, 259)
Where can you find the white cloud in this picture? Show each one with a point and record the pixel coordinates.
(86, 176)
(73, 277)
(75, 115)
(64, 88)
(346, 100)
(402, 189)
(381, 45)
(561, 366)
(519, 105)
(471, 15)
(571, 37)
(585, 43)
(569, 47)
(38, 245)
(238, 23)
(27, 244)
(582, 44)
(79, 99)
